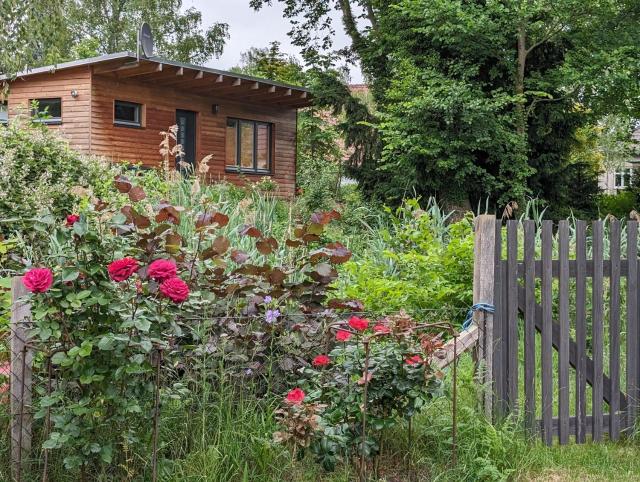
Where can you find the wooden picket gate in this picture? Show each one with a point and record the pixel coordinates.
(552, 351)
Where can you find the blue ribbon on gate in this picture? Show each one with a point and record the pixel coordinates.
(486, 307)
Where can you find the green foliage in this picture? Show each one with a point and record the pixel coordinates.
(271, 63)
(618, 205)
(420, 261)
(105, 334)
(38, 171)
(372, 382)
(475, 100)
(40, 33)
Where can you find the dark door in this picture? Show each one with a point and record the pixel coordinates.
(186, 121)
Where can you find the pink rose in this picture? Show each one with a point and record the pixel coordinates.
(122, 269)
(162, 269)
(359, 324)
(38, 280)
(295, 396)
(175, 289)
(72, 219)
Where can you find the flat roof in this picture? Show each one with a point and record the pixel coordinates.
(196, 79)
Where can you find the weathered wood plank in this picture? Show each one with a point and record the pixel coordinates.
(597, 306)
(483, 290)
(499, 340)
(614, 329)
(512, 315)
(580, 363)
(572, 268)
(563, 321)
(529, 325)
(547, 314)
(573, 422)
(633, 345)
(21, 378)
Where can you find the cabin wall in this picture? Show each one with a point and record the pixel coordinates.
(141, 144)
(76, 112)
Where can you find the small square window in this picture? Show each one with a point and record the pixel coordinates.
(622, 178)
(47, 111)
(127, 114)
(4, 112)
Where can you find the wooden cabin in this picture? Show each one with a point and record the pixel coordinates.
(116, 105)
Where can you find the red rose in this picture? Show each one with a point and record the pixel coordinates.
(122, 269)
(38, 280)
(359, 324)
(175, 289)
(321, 361)
(162, 269)
(343, 335)
(380, 328)
(72, 219)
(295, 396)
(413, 360)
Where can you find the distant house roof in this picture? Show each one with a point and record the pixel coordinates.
(194, 78)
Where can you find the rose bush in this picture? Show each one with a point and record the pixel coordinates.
(372, 379)
(122, 291)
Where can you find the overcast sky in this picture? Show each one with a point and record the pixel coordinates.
(249, 28)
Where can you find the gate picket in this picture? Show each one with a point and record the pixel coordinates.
(530, 325)
(614, 329)
(563, 321)
(597, 306)
(547, 314)
(632, 322)
(512, 315)
(581, 331)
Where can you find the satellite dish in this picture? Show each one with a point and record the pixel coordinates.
(145, 41)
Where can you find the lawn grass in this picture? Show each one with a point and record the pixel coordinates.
(588, 462)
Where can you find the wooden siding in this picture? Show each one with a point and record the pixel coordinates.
(75, 111)
(141, 145)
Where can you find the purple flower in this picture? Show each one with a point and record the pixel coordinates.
(267, 299)
(271, 316)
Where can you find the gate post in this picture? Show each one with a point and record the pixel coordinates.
(21, 379)
(483, 292)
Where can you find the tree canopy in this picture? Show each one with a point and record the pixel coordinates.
(40, 32)
(476, 99)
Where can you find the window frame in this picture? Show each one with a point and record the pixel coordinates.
(126, 123)
(51, 120)
(624, 175)
(5, 104)
(237, 168)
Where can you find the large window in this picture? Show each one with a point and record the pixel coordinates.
(248, 146)
(48, 110)
(127, 114)
(4, 112)
(623, 178)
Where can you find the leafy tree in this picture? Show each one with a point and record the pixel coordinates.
(271, 63)
(476, 99)
(32, 32)
(37, 33)
(178, 33)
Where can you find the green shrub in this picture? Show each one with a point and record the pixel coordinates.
(419, 261)
(619, 205)
(38, 171)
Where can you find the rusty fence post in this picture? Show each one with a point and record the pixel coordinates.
(21, 379)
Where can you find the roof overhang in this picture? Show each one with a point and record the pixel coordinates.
(185, 77)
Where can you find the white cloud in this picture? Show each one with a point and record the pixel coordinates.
(249, 28)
